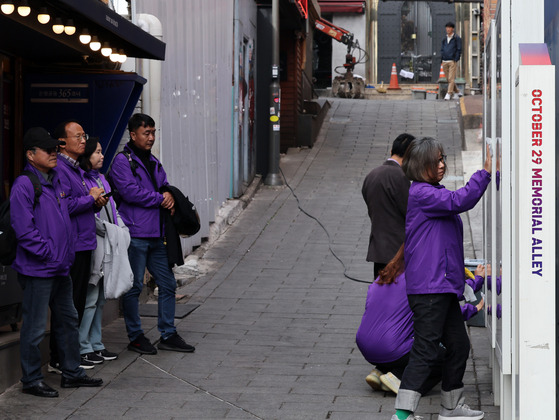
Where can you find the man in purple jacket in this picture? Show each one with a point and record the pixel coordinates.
(82, 204)
(139, 177)
(45, 252)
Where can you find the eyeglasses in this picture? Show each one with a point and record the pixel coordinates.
(442, 159)
(78, 137)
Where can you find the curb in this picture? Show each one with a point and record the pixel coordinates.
(226, 216)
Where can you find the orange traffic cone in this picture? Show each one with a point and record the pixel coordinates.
(441, 74)
(394, 79)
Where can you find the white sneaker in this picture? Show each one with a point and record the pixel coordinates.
(456, 96)
(373, 379)
(391, 382)
(410, 417)
(447, 97)
(461, 412)
(54, 368)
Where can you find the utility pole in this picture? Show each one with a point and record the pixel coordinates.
(273, 177)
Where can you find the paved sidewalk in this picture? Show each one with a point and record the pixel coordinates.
(275, 329)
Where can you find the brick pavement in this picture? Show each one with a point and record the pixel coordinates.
(275, 330)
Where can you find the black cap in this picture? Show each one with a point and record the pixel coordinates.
(39, 137)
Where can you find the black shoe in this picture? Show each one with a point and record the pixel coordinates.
(41, 389)
(86, 364)
(92, 358)
(81, 381)
(142, 345)
(106, 355)
(175, 343)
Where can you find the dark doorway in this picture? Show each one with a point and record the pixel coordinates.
(322, 58)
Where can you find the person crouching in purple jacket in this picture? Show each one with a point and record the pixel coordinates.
(44, 255)
(434, 260)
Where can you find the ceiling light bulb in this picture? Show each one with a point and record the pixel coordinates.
(23, 9)
(114, 57)
(95, 45)
(122, 57)
(85, 37)
(58, 26)
(70, 28)
(106, 50)
(43, 17)
(7, 7)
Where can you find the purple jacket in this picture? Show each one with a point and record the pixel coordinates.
(386, 330)
(141, 201)
(81, 205)
(434, 250)
(45, 245)
(90, 179)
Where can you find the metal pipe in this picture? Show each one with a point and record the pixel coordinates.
(273, 177)
(235, 140)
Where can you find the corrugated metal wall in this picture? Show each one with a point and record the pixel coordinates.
(196, 100)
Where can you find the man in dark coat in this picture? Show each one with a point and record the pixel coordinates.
(385, 191)
(451, 49)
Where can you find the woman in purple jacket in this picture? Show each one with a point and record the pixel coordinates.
(385, 336)
(92, 348)
(434, 258)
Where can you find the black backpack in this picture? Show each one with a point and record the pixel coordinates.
(133, 165)
(8, 240)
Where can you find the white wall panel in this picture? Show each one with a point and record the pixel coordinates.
(195, 128)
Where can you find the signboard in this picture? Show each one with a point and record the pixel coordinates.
(60, 93)
(535, 221)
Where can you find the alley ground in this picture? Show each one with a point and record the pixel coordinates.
(275, 329)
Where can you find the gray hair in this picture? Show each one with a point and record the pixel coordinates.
(421, 161)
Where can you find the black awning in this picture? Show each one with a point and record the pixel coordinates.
(26, 37)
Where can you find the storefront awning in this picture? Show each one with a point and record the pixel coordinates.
(25, 36)
(341, 6)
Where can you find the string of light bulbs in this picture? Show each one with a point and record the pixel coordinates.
(68, 27)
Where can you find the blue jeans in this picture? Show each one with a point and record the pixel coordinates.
(90, 327)
(38, 294)
(150, 253)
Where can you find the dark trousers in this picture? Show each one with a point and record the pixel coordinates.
(398, 366)
(437, 319)
(38, 294)
(80, 273)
